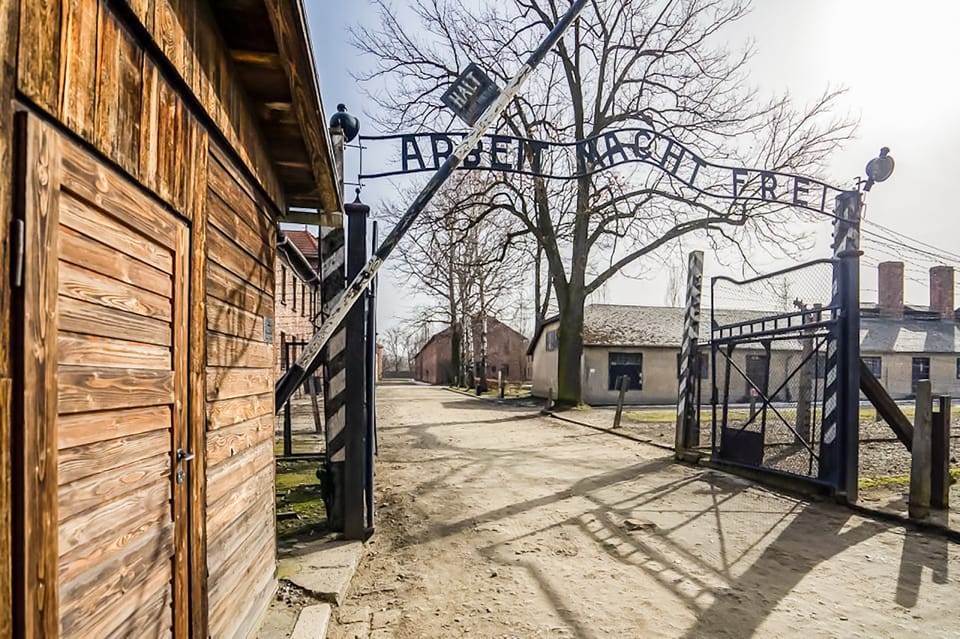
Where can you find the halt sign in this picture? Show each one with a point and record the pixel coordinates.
(470, 94)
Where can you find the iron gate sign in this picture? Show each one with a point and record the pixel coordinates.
(422, 152)
(470, 95)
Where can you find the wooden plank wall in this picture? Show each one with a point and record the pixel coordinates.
(83, 64)
(122, 263)
(241, 539)
(134, 115)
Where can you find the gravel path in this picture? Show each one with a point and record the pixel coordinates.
(495, 522)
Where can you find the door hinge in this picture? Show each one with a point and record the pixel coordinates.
(17, 248)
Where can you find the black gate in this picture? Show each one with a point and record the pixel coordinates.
(774, 371)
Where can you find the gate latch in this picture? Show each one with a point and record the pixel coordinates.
(18, 238)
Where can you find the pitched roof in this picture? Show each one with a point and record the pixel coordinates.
(493, 322)
(270, 50)
(306, 242)
(662, 326)
(887, 335)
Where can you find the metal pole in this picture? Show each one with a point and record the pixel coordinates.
(287, 416)
(355, 428)
(358, 283)
(371, 388)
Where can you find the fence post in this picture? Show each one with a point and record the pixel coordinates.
(317, 422)
(940, 447)
(500, 383)
(622, 383)
(840, 439)
(688, 427)
(287, 415)
(355, 428)
(550, 398)
(919, 503)
(805, 391)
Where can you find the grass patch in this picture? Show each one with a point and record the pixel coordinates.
(665, 416)
(897, 480)
(298, 491)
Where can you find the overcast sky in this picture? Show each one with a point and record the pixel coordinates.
(897, 58)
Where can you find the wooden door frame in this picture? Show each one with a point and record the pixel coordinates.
(35, 532)
(197, 428)
(35, 524)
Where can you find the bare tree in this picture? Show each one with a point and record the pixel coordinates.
(662, 64)
(464, 260)
(394, 346)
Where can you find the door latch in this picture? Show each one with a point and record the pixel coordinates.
(183, 455)
(18, 238)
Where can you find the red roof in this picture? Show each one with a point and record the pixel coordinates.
(306, 242)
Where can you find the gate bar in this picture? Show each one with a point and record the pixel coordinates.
(310, 355)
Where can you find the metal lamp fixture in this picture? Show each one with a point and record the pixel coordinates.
(347, 122)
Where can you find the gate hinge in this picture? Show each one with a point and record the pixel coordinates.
(17, 248)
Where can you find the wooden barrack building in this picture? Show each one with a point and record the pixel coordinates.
(148, 149)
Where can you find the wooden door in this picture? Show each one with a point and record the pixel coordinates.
(104, 514)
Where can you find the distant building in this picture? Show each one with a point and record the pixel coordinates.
(506, 351)
(900, 344)
(296, 295)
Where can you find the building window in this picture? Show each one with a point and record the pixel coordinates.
(704, 365)
(958, 368)
(875, 365)
(757, 371)
(625, 364)
(920, 370)
(283, 284)
(551, 340)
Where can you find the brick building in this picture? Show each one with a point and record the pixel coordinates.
(297, 293)
(506, 351)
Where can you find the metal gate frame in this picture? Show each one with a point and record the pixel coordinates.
(739, 447)
(838, 457)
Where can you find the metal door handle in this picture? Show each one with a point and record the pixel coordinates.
(183, 455)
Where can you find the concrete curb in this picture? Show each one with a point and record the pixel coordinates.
(324, 569)
(610, 431)
(312, 622)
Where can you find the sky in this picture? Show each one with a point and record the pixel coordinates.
(897, 59)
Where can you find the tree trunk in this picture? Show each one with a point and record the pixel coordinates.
(570, 349)
(455, 354)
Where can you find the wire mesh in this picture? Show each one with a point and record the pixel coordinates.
(768, 355)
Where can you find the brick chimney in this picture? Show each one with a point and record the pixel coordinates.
(941, 291)
(890, 288)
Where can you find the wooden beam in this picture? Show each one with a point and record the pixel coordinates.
(38, 64)
(257, 58)
(38, 482)
(886, 407)
(288, 23)
(9, 31)
(198, 418)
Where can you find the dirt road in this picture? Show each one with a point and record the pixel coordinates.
(495, 522)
